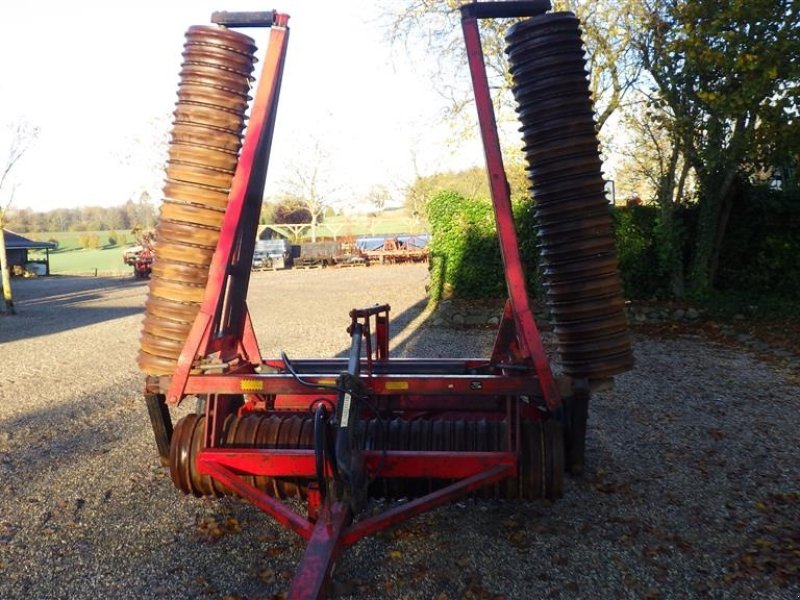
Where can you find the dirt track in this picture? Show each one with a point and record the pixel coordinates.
(691, 488)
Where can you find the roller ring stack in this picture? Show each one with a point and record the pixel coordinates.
(206, 137)
(541, 462)
(577, 253)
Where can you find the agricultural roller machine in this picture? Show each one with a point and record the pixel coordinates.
(335, 432)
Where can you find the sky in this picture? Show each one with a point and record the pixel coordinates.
(99, 80)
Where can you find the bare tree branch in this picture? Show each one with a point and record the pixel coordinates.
(23, 136)
(432, 27)
(309, 183)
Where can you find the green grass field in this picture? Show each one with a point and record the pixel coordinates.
(71, 259)
(79, 262)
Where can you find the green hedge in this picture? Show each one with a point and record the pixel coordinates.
(465, 254)
(634, 229)
(761, 252)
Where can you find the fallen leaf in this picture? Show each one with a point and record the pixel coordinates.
(388, 587)
(267, 576)
(232, 525)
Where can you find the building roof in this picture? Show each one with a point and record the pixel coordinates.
(15, 241)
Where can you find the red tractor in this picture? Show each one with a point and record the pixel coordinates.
(140, 257)
(143, 264)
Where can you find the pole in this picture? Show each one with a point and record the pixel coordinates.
(7, 299)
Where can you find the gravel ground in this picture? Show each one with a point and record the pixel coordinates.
(691, 490)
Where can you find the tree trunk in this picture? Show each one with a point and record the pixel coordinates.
(6, 279)
(677, 274)
(666, 231)
(722, 227)
(669, 241)
(712, 222)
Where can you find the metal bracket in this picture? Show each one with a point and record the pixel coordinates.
(162, 424)
(504, 10)
(244, 19)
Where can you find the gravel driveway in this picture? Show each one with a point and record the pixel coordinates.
(692, 487)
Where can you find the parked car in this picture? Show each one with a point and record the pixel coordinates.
(272, 254)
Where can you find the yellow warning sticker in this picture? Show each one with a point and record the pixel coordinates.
(251, 385)
(326, 382)
(396, 385)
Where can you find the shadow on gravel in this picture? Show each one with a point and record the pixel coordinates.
(50, 305)
(48, 439)
(397, 326)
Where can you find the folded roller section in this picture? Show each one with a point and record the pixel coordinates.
(578, 257)
(206, 136)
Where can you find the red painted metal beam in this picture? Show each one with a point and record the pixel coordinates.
(382, 337)
(248, 347)
(413, 406)
(441, 366)
(505, 9)
(505, 342)
(420, 505)
(379, 385)
(199, 331)
(395, 463)
(325, 544)
(527, 333)
(256, 497)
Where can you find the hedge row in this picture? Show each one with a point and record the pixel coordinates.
(465, 257)
(761, 250)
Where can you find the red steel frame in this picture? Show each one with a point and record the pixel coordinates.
(221, 357)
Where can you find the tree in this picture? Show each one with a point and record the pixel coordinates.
(118, 218)
(378, 196)
(23, 135)
(267, 214)
(143, 156)
(141, 214)
(290, 211)
(728, 74)
(433, 25)
(309, 183)
(470, 183)
(89, 241)
(654, 166)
